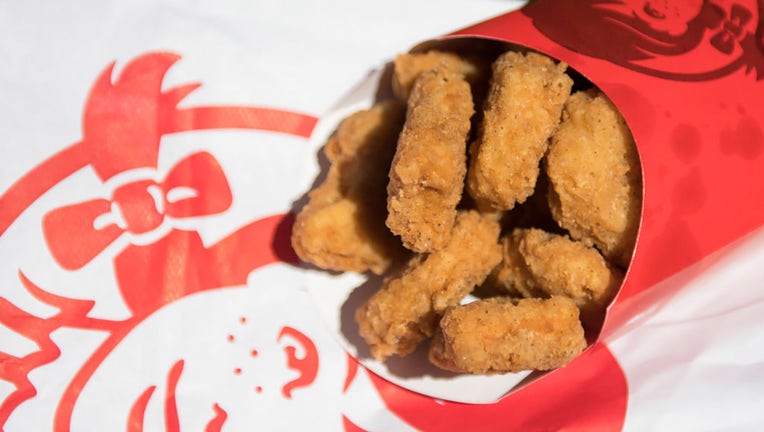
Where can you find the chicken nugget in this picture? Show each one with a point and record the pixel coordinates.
(408, 67)
(342, 227)
(406, 310)
(522, 110)
(499, 335)
(561, 266)
(427, 172)
(594, 170)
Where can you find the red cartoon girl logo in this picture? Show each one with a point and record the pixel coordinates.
(688, 40)
(140, 217)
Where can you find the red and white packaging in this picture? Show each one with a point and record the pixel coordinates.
(153, 154)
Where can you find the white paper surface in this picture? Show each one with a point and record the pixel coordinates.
(696, 361)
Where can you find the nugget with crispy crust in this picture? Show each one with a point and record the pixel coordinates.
(561, 266)
(427, 172)
(522, 110)
(594, 170)
(342, 227)
(406, 310)
(408, 67)
(499, 335)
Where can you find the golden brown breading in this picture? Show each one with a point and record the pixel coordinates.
(522, 110)
(500, 335)
(542, 240)
(342, 227)
(536, 263)
(594, 169)
(405, 311)
(512, 275)
(408, 67)
(561, 266)
(427, 172)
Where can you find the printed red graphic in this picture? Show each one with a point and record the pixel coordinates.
(138, 410)
(307, 365)
(217, 422)
(16, 370)
(46, 175)
(172, 420)
(589, 394)
(689, 40)
(123, 122)
(137, 208)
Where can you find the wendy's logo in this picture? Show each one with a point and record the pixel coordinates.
(687, 40)
(138, 218)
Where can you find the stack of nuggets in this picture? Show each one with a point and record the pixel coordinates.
(509, 203)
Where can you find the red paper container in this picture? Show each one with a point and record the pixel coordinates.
(689, 81)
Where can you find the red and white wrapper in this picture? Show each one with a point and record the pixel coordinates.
(153, 153)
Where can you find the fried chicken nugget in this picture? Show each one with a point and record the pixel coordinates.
(499, 335)
(408, 67)
(427, 172)
(406, 310)
(594, 169)
(342, 227)
(561, 266)
(522, 110)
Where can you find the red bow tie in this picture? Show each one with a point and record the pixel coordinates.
(732, 29)
(77, 233)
